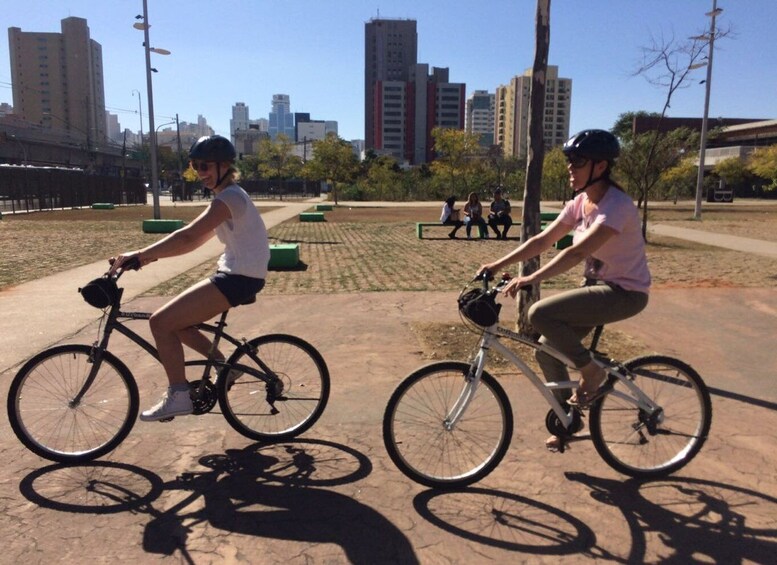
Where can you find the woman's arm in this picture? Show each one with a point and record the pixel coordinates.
(566, 259)
(181, 241)
(533, 247)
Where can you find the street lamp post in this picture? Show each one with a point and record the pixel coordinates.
(140, 112)
(703, 144)
(151, 131)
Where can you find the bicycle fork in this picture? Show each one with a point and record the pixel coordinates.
(472, 381)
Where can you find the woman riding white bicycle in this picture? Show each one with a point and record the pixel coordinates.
(241, 271)
(608, 238)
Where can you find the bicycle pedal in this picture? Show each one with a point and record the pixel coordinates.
(170, 419)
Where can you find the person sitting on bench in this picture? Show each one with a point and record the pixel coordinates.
(500, 214)
(450, 216)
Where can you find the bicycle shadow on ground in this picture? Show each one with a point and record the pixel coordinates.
(273, 492)
(505, 520)
(695, 520)
(269, 491)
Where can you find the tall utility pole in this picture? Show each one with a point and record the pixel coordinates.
(703, 146)
(151, 130)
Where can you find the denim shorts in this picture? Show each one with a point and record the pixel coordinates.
(238, 289)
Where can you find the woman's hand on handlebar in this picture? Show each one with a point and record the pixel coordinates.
(126, 261)
(488, 269)
(514, 285)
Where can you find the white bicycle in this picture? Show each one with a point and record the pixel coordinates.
(449, 423)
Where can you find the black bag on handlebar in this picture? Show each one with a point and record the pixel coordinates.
(480, 307)
(100, 292)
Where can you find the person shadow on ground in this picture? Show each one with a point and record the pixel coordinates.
(240, 497)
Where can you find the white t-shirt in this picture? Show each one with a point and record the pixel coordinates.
(622, 259)
(246, 247)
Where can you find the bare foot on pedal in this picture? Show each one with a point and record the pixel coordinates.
(592, 376)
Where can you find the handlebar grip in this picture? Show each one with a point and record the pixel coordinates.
(131, 264)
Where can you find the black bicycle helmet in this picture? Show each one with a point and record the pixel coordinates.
(594, 144)
(213, 148)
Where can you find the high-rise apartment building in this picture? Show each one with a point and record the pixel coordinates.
(58, 80)
(281, 118)
(407, 112)
(239, 121)
(390, 49)
(511, 121)
(403, 101)
(480, 116)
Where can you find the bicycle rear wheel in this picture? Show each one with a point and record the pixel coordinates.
(45, 418)
(429, 452)
(285, 403)
(638, 445)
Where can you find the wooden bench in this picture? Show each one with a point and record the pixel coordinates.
(420, 226)
(324, 207)
(284, 255)
(311, 217)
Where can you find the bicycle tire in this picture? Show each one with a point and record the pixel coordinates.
(305, 377)
(41, 414)
(418, 442)
(621, 432)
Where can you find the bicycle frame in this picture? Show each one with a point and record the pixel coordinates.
(116, 321)
(490, 340)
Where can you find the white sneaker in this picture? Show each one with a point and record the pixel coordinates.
(172, 404)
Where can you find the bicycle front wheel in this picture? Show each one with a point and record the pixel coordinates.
(289, 397)
(643, 446)
(422, 443)
(46, 417)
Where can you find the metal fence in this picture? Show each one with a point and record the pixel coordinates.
(41, 188)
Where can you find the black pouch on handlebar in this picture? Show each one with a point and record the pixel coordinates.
(100, 292)
(479, 307)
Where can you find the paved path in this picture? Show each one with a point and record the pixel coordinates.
(194, 491)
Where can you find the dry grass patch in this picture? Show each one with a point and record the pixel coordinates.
(39, 244)
(378, 254)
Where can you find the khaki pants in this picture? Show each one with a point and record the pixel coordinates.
(566, 318)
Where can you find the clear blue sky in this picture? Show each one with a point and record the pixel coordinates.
(313, 50)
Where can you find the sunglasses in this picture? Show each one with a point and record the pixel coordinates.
(576, 161)
(201, 166)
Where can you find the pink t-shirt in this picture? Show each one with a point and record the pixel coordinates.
(621, 260)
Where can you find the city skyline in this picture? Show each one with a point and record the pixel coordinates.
(315, 54)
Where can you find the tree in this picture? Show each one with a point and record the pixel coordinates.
(333, 161)
(276, 160)
(667, 64)
(555, 177)
(536, 154)
(644, 160)
(457, 155)
(732, 171)
(682, 175)
(624, 125)
(763, 162)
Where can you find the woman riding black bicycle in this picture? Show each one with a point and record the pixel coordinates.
(608, 237)
(240, 275)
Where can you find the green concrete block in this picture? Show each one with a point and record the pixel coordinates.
(284, 255)
(324, 207)
(311, 217)
(102, 206)
(161, 226)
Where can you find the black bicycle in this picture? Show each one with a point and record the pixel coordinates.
(75, 403)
